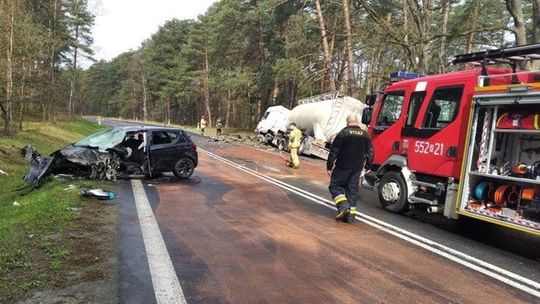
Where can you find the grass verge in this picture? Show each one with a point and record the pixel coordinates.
(49, 237)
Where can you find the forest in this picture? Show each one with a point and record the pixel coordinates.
(240, 57)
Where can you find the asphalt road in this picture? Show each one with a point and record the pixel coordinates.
(247, 229)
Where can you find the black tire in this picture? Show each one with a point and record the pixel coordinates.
(183, 168)
(282, 144)
(302, 147)
(393, 192)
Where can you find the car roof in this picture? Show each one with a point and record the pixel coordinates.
(145, 128)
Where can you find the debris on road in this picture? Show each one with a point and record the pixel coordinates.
(99, 194)
(232, 138)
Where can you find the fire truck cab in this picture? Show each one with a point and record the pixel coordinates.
(420, 126)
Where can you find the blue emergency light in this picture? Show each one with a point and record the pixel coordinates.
(405, 75)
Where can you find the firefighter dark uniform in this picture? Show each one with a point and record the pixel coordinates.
(351, 151)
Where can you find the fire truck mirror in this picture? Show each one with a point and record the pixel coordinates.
(370, 99)
(366, 115)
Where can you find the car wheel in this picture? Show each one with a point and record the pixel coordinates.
(184, 167)
(393, 192)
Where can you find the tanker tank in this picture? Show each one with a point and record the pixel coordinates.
(325, 118)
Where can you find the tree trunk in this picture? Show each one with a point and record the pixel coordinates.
(442, 49)
(234, 114)
(327, 55)
(515, 8)
(6, 108)
(132, 100)
(228, 112)
(536, 21)
(143, 83)
(264, 96)
(52, 85)
(341, 78)
(22, 95)
(424, 50)
(207, 87)
(405, 21)
(168, 121)
(72, 93)
(351, 87)
(473, 18)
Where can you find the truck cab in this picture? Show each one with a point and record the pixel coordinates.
(272, 124)
(417, 127)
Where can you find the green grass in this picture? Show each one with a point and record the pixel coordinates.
(34, 245)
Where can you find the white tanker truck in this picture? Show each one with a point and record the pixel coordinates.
(320, 118)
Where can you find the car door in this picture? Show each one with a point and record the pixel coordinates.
(165, 149)
(432, 133)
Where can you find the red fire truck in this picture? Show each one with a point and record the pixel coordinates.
(464, 143)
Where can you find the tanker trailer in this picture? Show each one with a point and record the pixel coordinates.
(320, 118)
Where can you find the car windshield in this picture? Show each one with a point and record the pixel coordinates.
(102, 140)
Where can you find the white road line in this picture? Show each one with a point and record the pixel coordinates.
(166, 286)
(488, 269)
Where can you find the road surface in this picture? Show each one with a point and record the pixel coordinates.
(247, 229)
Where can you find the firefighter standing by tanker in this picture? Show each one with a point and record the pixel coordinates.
(295, 136)
(350, 153)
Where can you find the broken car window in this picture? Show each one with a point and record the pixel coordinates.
(102, 140)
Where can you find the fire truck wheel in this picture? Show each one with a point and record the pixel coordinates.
(393, 192)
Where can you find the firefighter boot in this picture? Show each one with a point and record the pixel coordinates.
(343, 207)
(351, 216)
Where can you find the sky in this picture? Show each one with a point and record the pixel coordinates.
(121, 25)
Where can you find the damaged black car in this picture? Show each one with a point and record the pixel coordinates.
(118, 153)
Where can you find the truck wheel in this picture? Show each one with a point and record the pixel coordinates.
(282, 144)
(183, 168)
(268, 138)
(393, 192)
(301, 148)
